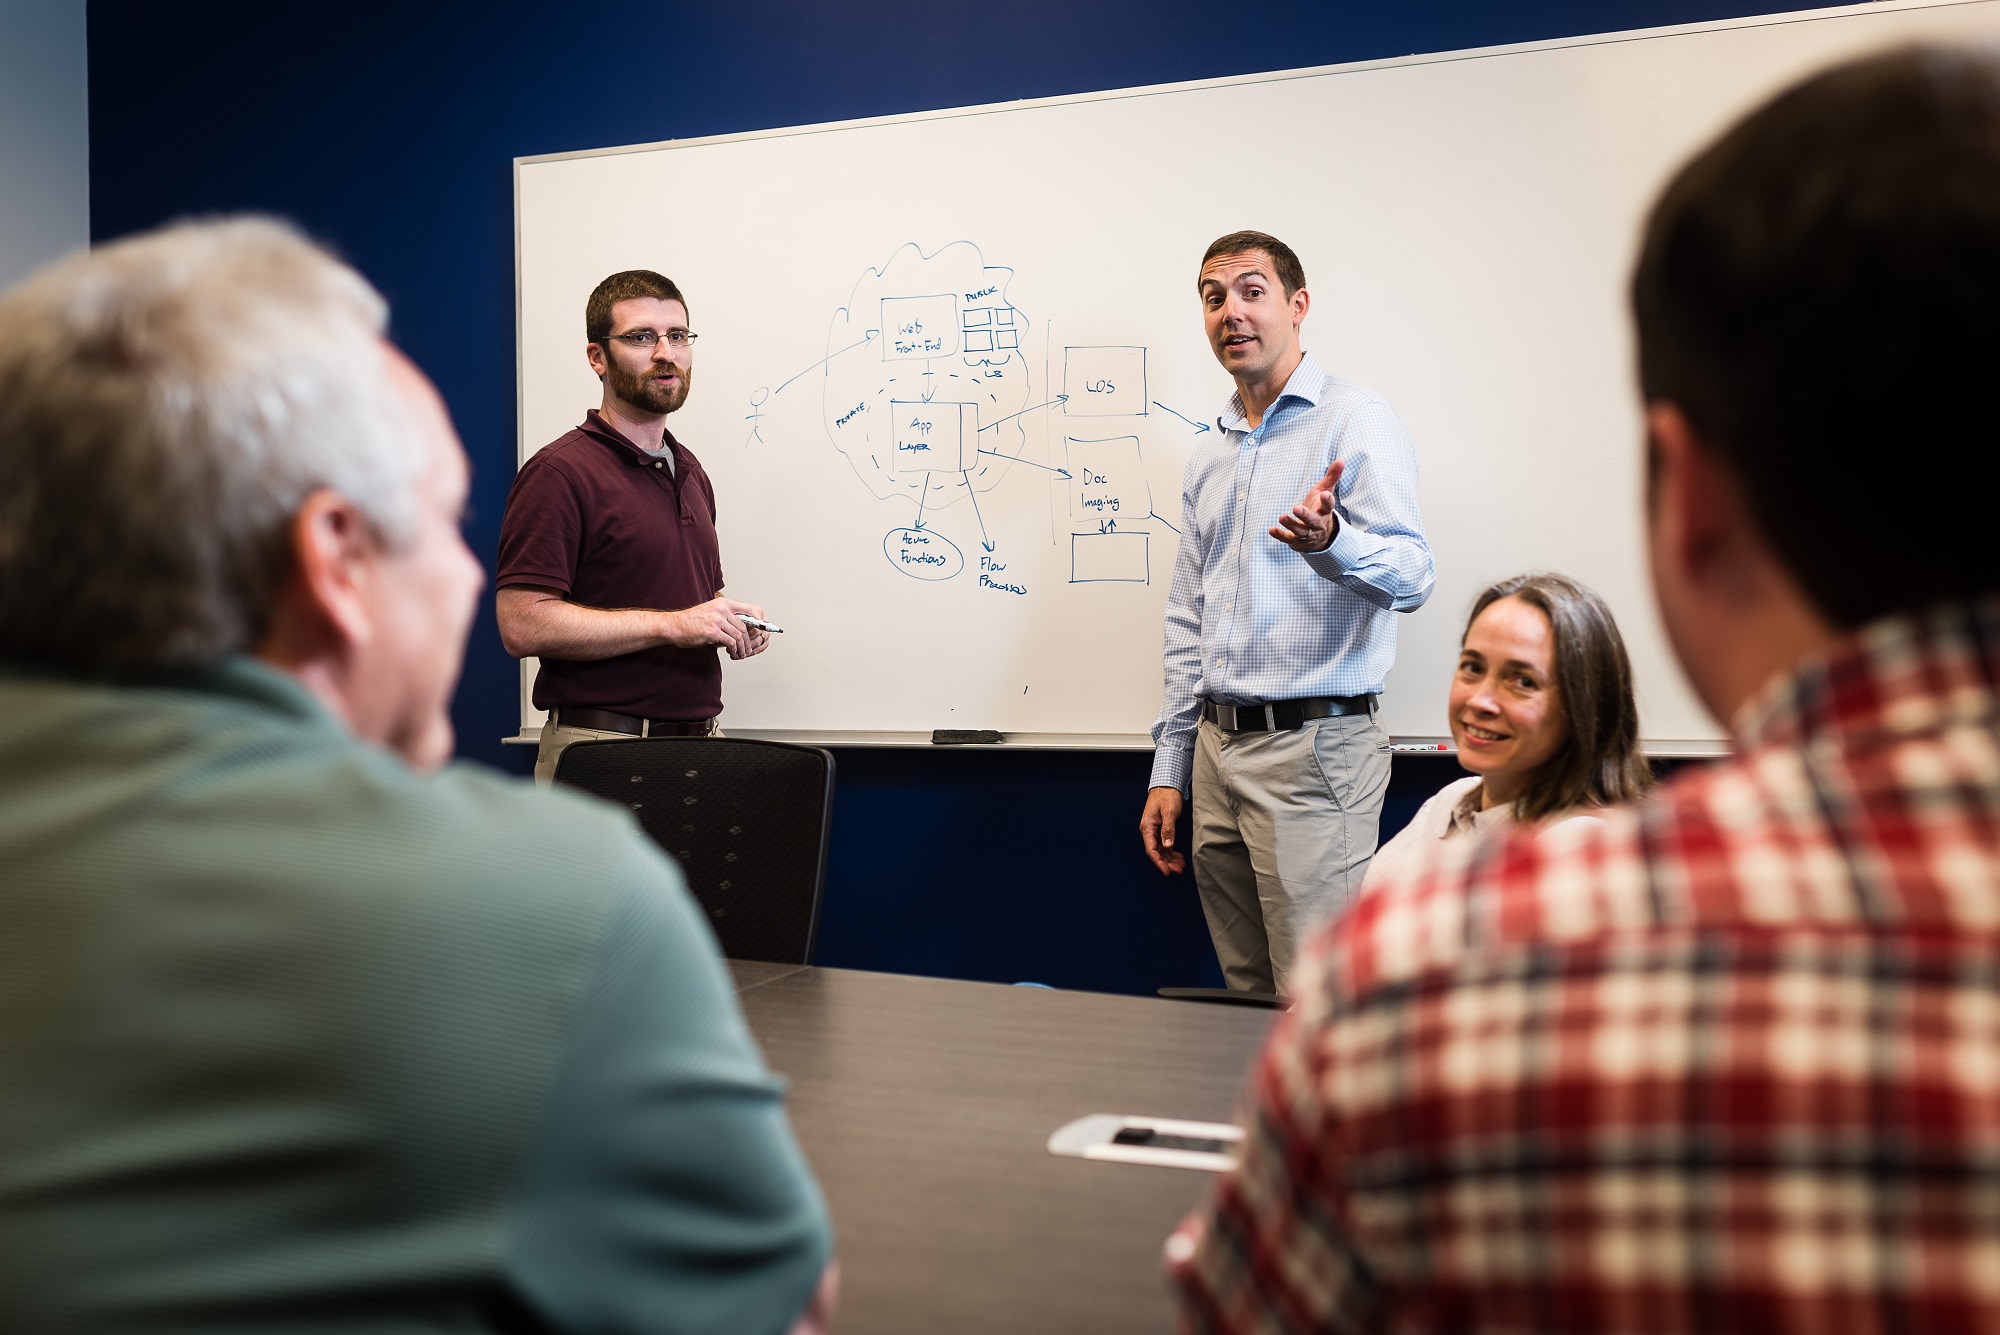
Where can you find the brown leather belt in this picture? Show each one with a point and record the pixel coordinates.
(1283, 715)
(610, 720)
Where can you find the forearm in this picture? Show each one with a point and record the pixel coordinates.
(1394, 571)
(1379, 551)
(543, 624)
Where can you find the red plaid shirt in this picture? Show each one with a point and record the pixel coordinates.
(1728, 1062)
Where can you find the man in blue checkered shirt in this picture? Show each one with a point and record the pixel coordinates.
(1279, 634)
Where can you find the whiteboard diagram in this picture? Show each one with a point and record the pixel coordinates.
(927, 389)
(1469, 257)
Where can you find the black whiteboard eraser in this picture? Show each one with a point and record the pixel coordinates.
(964, 737)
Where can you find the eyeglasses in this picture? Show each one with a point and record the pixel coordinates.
(645, 340)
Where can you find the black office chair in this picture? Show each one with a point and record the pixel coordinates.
(747, 821)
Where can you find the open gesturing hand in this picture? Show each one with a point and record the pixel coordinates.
(1310, 526)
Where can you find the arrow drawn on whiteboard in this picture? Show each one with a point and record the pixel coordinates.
(1199, 427)
(930, 382)
(922, 489)
(1015, 458)
(1060, 398)
(984, 541)
(869, 337)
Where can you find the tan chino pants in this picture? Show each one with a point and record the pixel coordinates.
(557, 740)
(1284, 826)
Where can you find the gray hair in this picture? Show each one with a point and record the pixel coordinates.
(167, 404)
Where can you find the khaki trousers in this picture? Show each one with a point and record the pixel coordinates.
(1284, 826)
(557, 740)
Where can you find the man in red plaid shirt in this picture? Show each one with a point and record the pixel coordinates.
(1730, 1062)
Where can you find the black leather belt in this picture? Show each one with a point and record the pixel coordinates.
(1283, 715)
(610, 720)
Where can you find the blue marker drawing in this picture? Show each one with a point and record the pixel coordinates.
(919, 328)
(1199, 427)
(1015, 458)
(1110, 557)
(861, 342)
(906, 420)
(1060, 398)
(1104, 382)
(923, 554)
(1109, 479)
(948, 400)
(984, 541)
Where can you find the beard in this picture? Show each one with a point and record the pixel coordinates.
(640, 391)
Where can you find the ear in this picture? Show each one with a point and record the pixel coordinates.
(1692, 502)
(1301, 303)
(594, 354)
(332, 559)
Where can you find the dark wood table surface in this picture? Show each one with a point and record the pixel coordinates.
(925, 1106)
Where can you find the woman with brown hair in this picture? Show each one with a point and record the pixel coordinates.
(1541, 709)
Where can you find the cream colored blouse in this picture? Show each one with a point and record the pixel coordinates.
(1452, 812)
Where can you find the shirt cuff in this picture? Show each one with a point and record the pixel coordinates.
(1171, 765)
(532, 578)
(1342, 552)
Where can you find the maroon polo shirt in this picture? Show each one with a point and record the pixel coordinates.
(599, 519)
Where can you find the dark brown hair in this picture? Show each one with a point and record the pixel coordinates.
(624, 286)
(1819, 292)
(1291, 275)
(1599, 762)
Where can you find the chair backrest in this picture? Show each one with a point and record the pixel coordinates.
(747, 820)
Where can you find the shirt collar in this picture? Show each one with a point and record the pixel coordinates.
(241, 675)
(594, 426)
(1306, 384)
(1903, 675)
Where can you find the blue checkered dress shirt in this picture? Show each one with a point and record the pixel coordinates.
(1248, 618)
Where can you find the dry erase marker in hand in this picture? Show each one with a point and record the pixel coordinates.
(756, 623)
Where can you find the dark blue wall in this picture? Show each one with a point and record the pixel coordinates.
(389, 130)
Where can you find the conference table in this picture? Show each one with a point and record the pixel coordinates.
(925, 1106)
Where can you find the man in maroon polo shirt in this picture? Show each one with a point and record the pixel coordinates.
(609, 569)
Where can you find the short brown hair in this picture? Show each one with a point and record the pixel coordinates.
(1291, 274)
(624, 286)
(1819, 292)
(1599, 762)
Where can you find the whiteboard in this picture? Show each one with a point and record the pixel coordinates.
(952, 364)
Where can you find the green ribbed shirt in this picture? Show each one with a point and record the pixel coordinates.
(293, 1039)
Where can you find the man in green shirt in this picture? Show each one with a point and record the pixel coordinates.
(301, 1028)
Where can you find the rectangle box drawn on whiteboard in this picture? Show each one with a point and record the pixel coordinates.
(1107, 479)
(917, 328)
(936, 437)
(1110, 558)
(1104, 382)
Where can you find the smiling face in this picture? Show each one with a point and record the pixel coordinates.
(652, 383)
(1507, 716)
(1253, 326)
